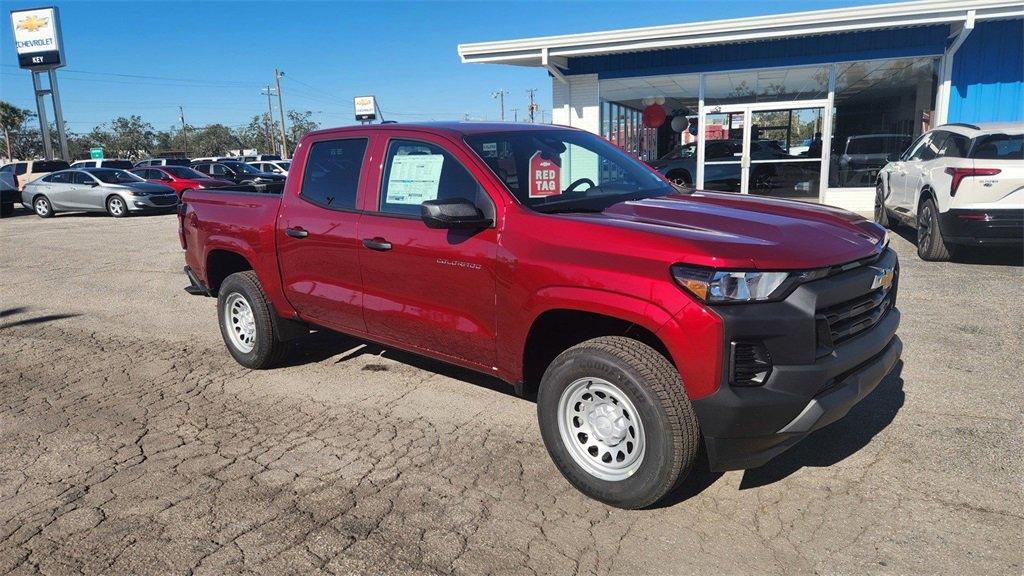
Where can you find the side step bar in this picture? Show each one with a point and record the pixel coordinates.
(196, 288)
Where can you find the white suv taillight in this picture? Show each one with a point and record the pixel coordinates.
(959, 174)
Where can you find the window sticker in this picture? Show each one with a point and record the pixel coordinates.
(414, 179)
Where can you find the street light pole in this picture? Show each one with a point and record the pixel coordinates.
(280, 106)
(500, 95)
(270, 120)
(184, 132)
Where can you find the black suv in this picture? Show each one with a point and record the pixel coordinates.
(237, 172)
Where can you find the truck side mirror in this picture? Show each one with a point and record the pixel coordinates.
(457, 213)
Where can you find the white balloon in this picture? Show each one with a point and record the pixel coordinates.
(648, 101)
(679, 123)
(659, 100)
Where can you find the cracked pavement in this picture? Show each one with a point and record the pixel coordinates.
(131, 442)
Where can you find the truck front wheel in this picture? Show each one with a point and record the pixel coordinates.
(246, 322)
(615, 419)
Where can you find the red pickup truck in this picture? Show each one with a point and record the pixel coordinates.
(649, 319)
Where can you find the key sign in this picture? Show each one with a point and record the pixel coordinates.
(545, 177)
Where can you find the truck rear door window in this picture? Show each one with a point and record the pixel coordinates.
(331, 177)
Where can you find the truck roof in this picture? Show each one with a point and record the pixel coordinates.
(450, 128)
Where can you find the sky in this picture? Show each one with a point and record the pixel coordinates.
(213, 58)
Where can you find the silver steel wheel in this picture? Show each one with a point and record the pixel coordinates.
(116, 206)
(601, 429)
(42, 207)
(241, 326)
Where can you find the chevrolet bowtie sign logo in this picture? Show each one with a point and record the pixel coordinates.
(33, 23)
(37, 38)
(883, 277)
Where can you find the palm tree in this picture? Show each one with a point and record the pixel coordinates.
(11, 118)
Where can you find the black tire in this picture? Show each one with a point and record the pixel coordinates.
(42, 207)
(267, 349)
(930, 244)
(117, 207)
(6, 209)
(881, 212)
(652, 384)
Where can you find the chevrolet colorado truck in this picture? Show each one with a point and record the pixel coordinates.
(650, 320)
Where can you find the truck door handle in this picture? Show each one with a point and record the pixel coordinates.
(296, 232)
(378, 244)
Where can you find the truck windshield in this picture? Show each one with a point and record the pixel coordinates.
(565, 170)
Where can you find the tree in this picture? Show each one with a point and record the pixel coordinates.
(254, 134)
(130, 137)
(13, 121)
(300, 123)
(212, 140)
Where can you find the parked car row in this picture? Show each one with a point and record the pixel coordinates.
(17, 180)
(116, 192)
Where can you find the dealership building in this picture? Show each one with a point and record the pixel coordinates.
(804, 105)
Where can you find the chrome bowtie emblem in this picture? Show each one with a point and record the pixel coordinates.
(883, 277)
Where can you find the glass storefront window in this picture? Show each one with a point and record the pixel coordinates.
(774, 85)
(624, 99)
(880, 107)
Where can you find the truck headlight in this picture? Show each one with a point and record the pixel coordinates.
(718, 286)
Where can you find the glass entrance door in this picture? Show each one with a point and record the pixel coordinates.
(723, 151)
(771, 150)
(785, 152)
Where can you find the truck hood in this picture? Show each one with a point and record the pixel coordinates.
(738, 231)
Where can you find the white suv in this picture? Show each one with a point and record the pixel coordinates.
(959, 185)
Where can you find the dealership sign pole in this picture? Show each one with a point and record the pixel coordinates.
(40, 49)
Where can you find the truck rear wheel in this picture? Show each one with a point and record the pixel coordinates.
(615, 419)
(246, 319)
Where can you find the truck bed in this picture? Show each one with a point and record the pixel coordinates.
(238, 219)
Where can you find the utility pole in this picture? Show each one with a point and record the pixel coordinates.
(515, 114)
(500, 95)
(280, 108)
(270, 119)
(184, 131)
(533, 107)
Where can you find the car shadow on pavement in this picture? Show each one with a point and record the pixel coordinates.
(28, 321)
(980, 255)
(323, 344)
(840, 439)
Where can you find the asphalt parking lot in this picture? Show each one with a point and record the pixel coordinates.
(131, 442)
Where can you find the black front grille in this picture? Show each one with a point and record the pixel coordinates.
(848, 319)
(164, 200)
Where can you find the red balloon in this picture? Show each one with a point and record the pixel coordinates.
(654, 116)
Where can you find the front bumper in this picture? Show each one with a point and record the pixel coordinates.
(813, 381)
(160, 203)
(998, 227)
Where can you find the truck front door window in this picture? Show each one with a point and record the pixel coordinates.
(415, 172)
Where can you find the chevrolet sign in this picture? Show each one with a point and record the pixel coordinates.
(37, 38)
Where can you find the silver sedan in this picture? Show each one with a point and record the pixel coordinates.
(116, 192)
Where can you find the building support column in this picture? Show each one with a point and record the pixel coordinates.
(942, 98)
(577, 102)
